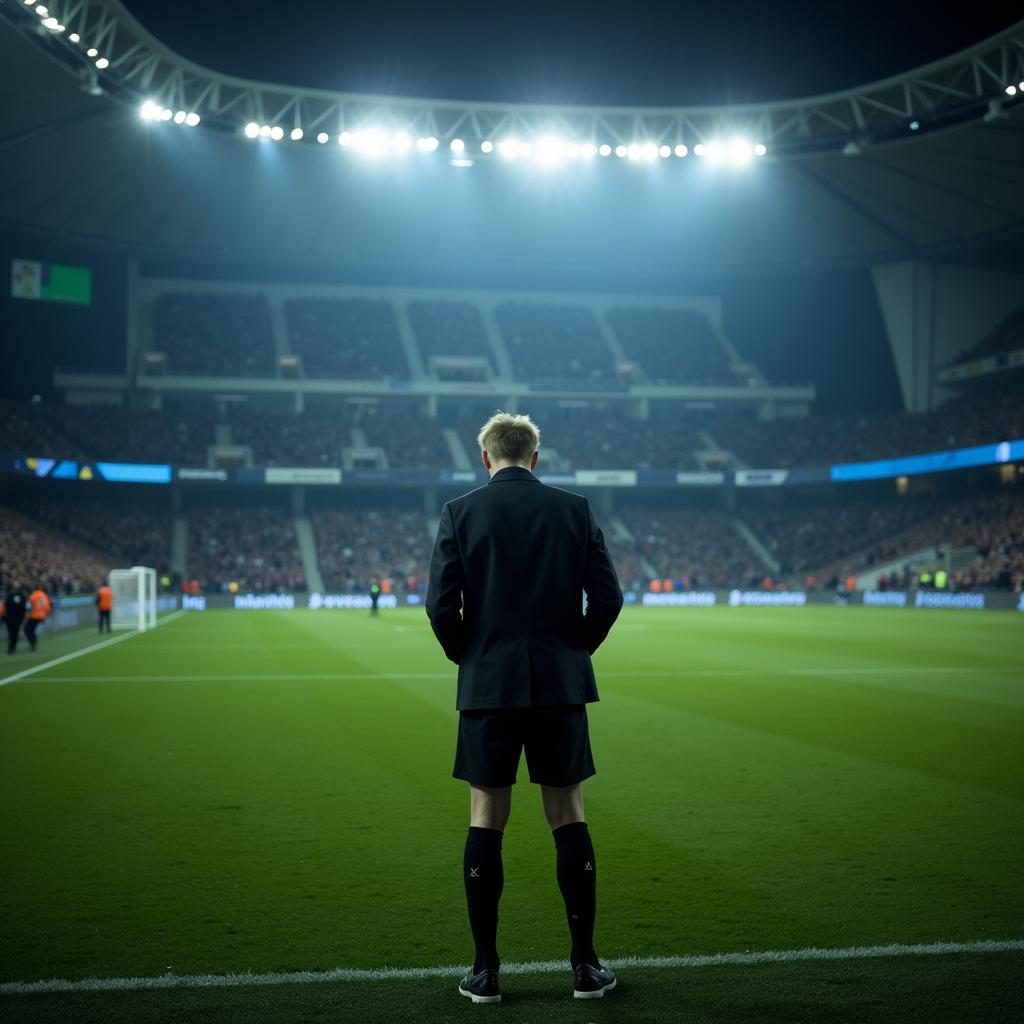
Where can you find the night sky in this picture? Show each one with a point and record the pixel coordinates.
(569, 52)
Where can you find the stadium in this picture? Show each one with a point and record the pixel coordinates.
(253, 332)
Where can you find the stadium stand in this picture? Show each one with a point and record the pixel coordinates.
(357, 547)
(221, 335)
(348, 338)
(252, 546)
(450, 329)
(555, 343)
(33, 552)
(409, 439)
(277, 438)
(1006, 337)
(672, 346)
(694, 548)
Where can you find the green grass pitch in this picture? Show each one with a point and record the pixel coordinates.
(271, 791)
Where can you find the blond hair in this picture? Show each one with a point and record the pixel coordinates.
(507, 437)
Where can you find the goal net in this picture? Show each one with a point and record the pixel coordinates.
(134, 598)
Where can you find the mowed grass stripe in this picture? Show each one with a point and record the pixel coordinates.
(260, 825)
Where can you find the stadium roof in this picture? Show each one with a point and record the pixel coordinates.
(928, 164)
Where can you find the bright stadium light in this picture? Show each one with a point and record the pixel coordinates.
(296, 134)
(370, 143)
(635, 151)
(621, 151)
(649, 151)
(1011, 90)
(571, 150)
(700, 149)
(50, 22)
(264, 131)
(322, 137)
(92, 52)
(461, 161)
(740, 152)
(165, 114)
(345, 139)
(42, 11)
(605, 149)
(508, 148)
(150, 111)
(75, 37)
(525, 149)
(192, 119)
(457, 146)
(401, 142)
(179, 117)
(487, 146)
(760, 149)
(664, 152)
(588, 151)
(681, 150)
(277, 133)
(427, 144)
(103, 63)
(548, 151)
(252, 130)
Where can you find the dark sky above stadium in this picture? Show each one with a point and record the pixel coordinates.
(570, 52)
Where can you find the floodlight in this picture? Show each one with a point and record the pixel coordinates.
(322, 137)
(914, 125)
(50, 22)
(508, 148)
(681, 150)
(571, 150)
(635, 151)
(649, 151)
(192, 119)
(401, 142)
(487, 146)
(165, 114)
(370, 143)
(457, 146)
(588, 150)
(620, 151)
(1011, 90)
(296, 134)
(760, 149)
(179, 117)
(252, 129)
(75, 37)
(427, 145)
(605, 149)
(92, 52)
(345, 139)
(548, 150)
(461, 161)
(665, 151)
(740, 152)
(42, 11)
(277, 133)
(700, 149)
(264, 131)
(103, 63)
(149, 111)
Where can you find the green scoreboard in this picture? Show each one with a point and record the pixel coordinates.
(53, 282)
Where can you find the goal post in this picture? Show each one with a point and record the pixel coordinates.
(134, 598)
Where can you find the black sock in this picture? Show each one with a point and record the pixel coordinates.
(484, 878)
(577, 878)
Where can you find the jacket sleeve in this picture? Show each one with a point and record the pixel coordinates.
(444, 589)
(604, 595)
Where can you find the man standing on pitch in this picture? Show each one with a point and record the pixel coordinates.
(511, 564)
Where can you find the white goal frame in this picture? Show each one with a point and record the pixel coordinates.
(134, 598)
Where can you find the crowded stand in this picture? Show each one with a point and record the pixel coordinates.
(672, 346)
(346, 338)
(823, 440)
(220, 335)
(555, 343)
(278, 438)
(450, 329)
(409, 439)
(252, 548)
(694, 549)
(1007, 336)
(32, 552)
(358, 547)
(136, 534)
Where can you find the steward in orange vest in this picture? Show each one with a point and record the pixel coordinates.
(38, 608)
(104, 603)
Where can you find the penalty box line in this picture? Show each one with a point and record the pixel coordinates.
(85, 650)
(348, 974)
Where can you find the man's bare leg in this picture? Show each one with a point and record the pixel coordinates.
(482, 870)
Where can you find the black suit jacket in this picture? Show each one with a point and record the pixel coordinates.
(511, 564)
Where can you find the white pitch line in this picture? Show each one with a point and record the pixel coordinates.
(289, 677)
(85, 650)
(340, 974)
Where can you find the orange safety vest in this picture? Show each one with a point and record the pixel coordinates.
(104, 599)
(39, 605)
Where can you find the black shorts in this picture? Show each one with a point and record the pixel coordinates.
(557, 742)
